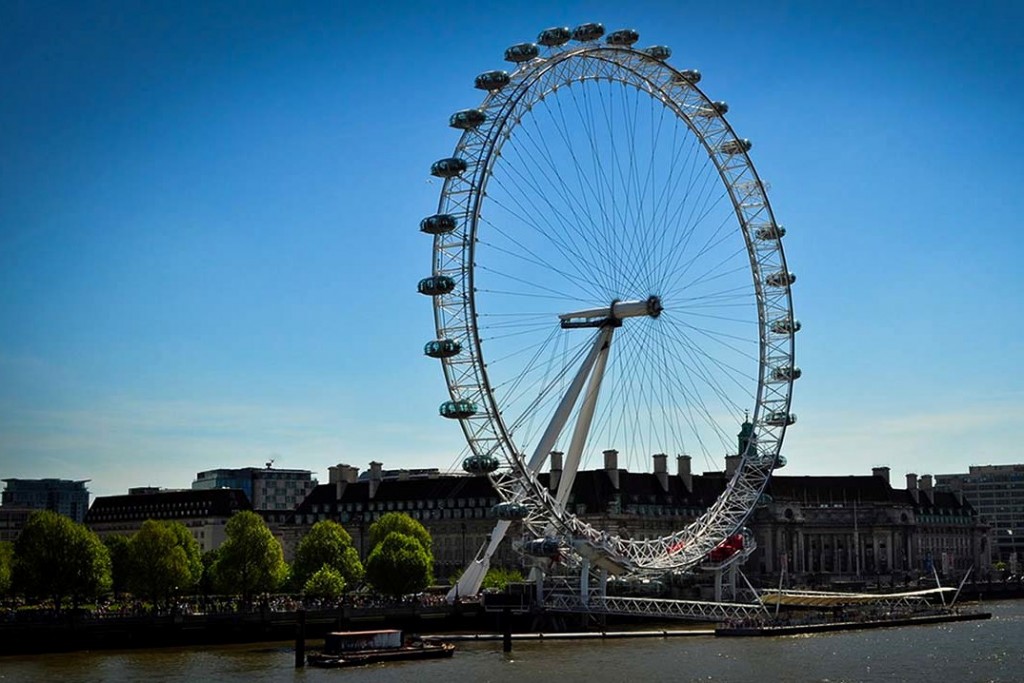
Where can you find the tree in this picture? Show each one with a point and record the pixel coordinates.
(58, 558)
(6, 562)
(208, 583)
(498, 577)
(250, 560)
(327, 582)
(327, 543)
(164, 558)
(117, 547)
(399, 565)
(398, 522)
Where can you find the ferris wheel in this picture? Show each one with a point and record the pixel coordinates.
(608, 278)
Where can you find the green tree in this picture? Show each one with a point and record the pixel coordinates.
(208, 583)
(164, 559)
(498, 577)
(250, 561)
(399, 522)
(327, 543)
(6, 566)
(399, 565)
(58, 558)
(327, 582)
(117, 547)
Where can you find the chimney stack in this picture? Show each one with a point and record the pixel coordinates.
(661, 470)
(376, 476)
(912, 486)
(881, 473)
(683, 469)
(731, 463)
(611, 466)
(341, 475)
(926, 486)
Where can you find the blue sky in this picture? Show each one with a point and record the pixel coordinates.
(209, 244)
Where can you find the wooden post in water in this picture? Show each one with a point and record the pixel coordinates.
(300, 639)
(506, 629)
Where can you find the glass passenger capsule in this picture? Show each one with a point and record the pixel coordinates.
(785, 326)
(659, 52)
(435, 285)
(442, 348)
(687, 77)
(555, 36)
(584, 33)
(541, 547)
(780, 461)
(779, 418)
(492, 80)
(624, 38)
(438, 224)
(769, 232)
(780, 279)
(523, 52)
(448, 168)
(785, 373)
(737, 146)
(467, 119)
(510, 511)
(457, 410)
(765, 500)
(480, 464)
(715, 110)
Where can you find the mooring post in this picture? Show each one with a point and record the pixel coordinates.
(506, 629)
(300, 639)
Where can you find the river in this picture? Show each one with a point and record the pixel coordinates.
(991, 650)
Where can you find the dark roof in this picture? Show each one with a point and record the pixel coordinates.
(169, 505)
(831, 489)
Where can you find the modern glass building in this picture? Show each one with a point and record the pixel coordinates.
(266, 488)
(65, 496)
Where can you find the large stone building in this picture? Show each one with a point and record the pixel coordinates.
(267, 488)
(997, 493)
(67, 497)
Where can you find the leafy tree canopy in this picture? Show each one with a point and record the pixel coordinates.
(399, 565)
(498, 577)
(327, 543)
(326, 582)
(399, 522)
(117, 548)
(163, 559)
(250, 560)
(6, 566)
(59, 558)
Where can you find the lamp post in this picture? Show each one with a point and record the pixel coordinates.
(1013, 552)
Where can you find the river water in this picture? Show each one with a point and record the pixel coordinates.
(991, 650)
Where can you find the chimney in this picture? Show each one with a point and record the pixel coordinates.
(731, 463)
(661, 470)
(683, 469)
(611, 466)
(341, 475)
(556, 471)
(376, 476)
(912, 486)
(881, 473)
(926, 486)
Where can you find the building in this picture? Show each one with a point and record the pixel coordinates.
(266, 488)
(12, 520)
(67, 497)
(204, 513)
(997, 493)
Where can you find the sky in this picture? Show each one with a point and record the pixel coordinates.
(209, 212)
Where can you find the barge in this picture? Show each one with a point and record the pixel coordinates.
(359, 648)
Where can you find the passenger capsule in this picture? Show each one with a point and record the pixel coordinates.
(769, 232)
(687, 77)
(523, 52)
(467, 119)
(435, 285)
(438, 224)
(780, 279)
(780, 460)
(765, 500)
(457, 410)
(442, 348)
(738, 146)
(779, 418)
(541, 547)
(785, 326)
(510, 511)
(555, 36)
(786, 373)
(624, 38)
(659, 52)
(448, 168)
(584, 33)
(480, 464)
(715, 110)
(492, 80)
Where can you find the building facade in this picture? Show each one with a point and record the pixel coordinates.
(267, 488)
(64, 496)
(997, 493)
